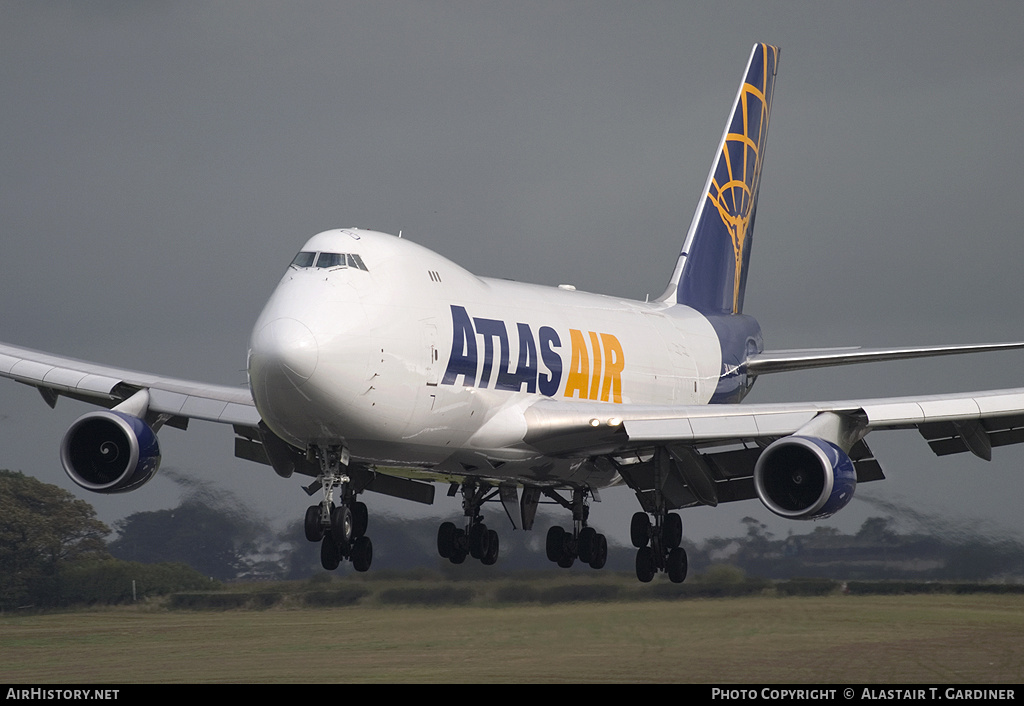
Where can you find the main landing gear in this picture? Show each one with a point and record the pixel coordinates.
(476, 540)
(584, 543)
(668, 478)
(658, 546)
(340, 529)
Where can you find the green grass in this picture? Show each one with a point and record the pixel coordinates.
(833, 639)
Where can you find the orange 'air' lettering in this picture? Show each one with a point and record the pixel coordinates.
(614, 362)
(578, 380)
(595, 377)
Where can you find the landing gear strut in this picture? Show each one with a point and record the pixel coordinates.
(476, 540)
(584, 543)
(340, 529)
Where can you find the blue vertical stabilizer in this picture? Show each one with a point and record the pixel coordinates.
(711, 272)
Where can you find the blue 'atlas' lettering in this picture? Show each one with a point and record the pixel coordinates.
(491, 329)
(526, 366)
(548, 384)
(464, 359)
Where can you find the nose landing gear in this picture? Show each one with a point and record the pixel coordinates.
(341, 529)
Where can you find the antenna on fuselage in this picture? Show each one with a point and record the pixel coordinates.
(399, 234)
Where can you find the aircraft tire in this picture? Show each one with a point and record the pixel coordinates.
(362, 553)
(311, 524)
(555, 543)
(459, 550)
(491, 555)
(677, 565)
(360, 519)
(478, 540)
(639, 530)
(672, 531)
(585, 544)
(645, 566)
(599, 555)
(341, 525)
(330, 556)
(446, 539)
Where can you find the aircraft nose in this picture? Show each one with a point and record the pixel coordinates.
(284, 346)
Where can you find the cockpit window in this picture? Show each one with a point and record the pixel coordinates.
(330, 259)
(326, 260)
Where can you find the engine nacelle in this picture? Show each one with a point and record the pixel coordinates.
(110, 452)
(804, 478)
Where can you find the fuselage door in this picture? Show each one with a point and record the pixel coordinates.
(431, 352)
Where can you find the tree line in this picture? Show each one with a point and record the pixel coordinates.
(54, 551)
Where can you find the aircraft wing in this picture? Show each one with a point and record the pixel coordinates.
(174, 401)
(951, 423)
(178, 400)
(715, 450)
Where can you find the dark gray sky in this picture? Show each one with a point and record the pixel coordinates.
(162, 162)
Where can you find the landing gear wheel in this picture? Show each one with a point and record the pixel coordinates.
(459, 552)
(672, 531)
(639, 530)
(555, 542)
(645, 566)
(478, 540)
(446, 539)
(360, 519)
(330, 557)
(585, 544)
(491, 555)
(676, 565)
(362, 553)
(599, 552)
(341, 524)
(311, 524)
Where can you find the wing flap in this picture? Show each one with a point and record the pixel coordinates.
(911, 411)
(59, 378)
(739, 425)
(945, 438)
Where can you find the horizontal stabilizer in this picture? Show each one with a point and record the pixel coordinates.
(806, 358)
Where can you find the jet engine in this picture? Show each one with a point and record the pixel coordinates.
(110, 452)
(804, 478)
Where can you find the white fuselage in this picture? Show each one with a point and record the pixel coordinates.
(409, 359)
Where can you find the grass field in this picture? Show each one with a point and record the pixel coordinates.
(835, 639)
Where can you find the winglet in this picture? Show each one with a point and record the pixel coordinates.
(711, 272)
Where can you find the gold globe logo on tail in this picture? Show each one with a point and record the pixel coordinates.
(734, 188)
